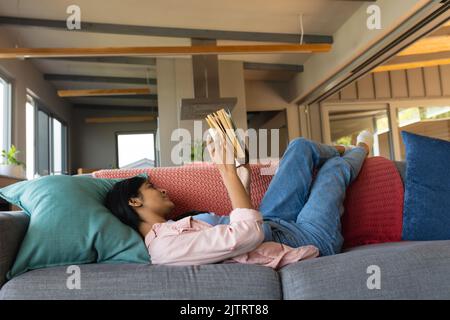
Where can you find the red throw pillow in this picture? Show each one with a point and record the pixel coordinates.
(374, 205)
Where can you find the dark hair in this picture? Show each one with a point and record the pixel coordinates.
(118, 197)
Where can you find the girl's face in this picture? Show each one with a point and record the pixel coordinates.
(153, 201)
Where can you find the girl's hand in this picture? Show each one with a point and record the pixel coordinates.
(221, 152)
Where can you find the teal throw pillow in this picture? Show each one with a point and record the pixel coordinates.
(69, 224)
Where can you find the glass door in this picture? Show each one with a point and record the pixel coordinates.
(432, 121)
(342, 124)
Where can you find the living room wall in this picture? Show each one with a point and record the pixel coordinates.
(25, 76)
(268, 96)
(94, 144)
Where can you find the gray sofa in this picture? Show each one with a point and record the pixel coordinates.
(407, 270)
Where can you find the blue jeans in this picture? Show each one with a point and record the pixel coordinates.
(299, 211)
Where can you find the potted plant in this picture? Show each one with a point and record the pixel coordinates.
(10, 165)
(196, 156)
(197, 149)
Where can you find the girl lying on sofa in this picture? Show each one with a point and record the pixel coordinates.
(297, 219)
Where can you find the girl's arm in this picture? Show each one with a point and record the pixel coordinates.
(221, 153)
(243, 234)
(244, 173)
(236, 190)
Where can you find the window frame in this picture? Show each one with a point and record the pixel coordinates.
(63, 143)
(392, 106)
(396, 105)
(116, 136)
(7, 112)
(327, 108)
(32, 101)
(39, 106)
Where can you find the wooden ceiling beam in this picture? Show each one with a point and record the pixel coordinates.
(102, 92)
(418, 57)
(147, 97)
(116, 107)
(412, 65)
(428, 45)
(116, 119)
(21, 53)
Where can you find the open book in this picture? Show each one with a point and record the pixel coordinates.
(221, 120)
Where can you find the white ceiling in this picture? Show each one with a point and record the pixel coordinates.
(322, 17)
(95, 69)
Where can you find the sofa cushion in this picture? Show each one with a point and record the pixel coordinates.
(374, 205)
(401, 167)
(427, 188)
(408, 270)
(13, 226)
(135, 281)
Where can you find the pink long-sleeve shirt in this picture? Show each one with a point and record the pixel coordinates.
(194, 242)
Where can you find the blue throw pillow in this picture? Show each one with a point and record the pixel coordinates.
(69, 224)
(426, 213)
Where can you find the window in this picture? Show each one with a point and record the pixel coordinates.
(59, 132)
(46, 142)
(135, 150)
(30, 142)
(428, 121)
(57, 147)
(5, 112)
(345, 127)
(342, 122)
(43, 143)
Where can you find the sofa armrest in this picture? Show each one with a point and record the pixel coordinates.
(13, 226)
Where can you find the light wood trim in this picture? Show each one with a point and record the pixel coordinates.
(86, 170)
(428, 45)
(119, 119)
(10, 53)
(412, 65)
(102, 92)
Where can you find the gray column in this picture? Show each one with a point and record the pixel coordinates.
(174, 78)
(232, 84)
